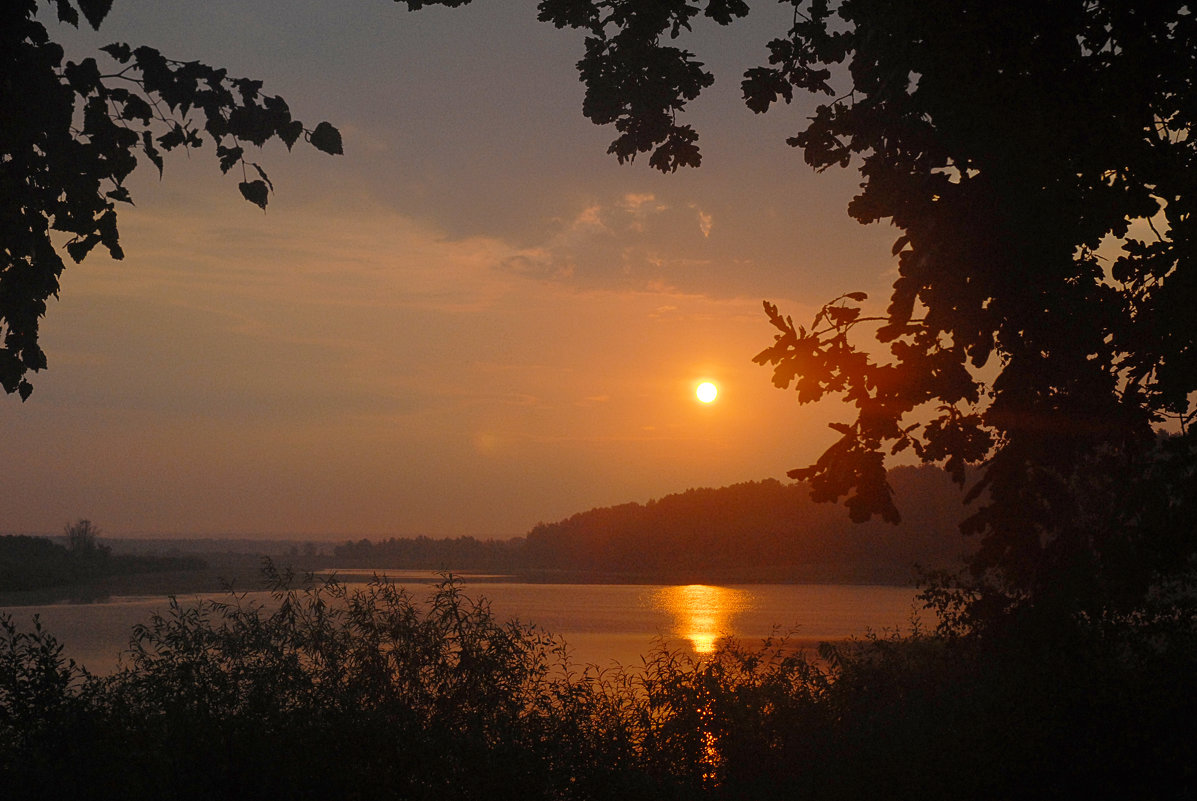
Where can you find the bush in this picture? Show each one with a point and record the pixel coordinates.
(372, 694)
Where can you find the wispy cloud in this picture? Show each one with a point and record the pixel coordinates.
(705, 221)
(632, 241)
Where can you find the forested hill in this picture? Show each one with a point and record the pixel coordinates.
(759, 531)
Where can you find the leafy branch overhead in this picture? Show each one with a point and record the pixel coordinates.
(824, 360)
(1039, 162)
(634, 81)
(64, 158)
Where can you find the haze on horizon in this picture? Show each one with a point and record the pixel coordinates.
(473, 321)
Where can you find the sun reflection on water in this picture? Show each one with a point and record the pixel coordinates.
(701, 613)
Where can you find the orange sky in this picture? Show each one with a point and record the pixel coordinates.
(473, 321)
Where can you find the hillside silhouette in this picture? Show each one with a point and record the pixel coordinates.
(752, 531)
(759, 530)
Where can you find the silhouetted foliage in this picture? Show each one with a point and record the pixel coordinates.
(458, 554)
(756, 530)
(82, 536)
(1039, 162)
(83, 539)
(71, 133)
(374, 694)
(30, 563)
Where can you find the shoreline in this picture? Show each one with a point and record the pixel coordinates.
(244, 575)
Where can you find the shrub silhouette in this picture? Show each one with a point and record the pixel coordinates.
(325, 692)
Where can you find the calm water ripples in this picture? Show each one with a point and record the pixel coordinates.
(602, 623)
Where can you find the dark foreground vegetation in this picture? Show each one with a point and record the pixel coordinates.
(327, 693)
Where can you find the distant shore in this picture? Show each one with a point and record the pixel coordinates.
(242, 573)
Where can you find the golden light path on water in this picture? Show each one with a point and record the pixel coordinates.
(701, 613)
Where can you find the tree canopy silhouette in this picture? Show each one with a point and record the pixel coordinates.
(71, 133)
(1038, 160)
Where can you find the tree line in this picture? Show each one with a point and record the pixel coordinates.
(426, 553)
(34, 563)
(767, 529)
(758, 530)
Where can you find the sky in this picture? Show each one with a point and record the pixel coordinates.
(473, 321)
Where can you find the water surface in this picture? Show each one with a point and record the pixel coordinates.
(602, 623)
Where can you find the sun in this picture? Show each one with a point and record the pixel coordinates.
(707, 392)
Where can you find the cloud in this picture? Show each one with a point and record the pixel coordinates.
(638, 208)
(590, 219)
(641, 203)
(632, 241)
(539, 263)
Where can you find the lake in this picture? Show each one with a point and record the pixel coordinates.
(602, 623)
